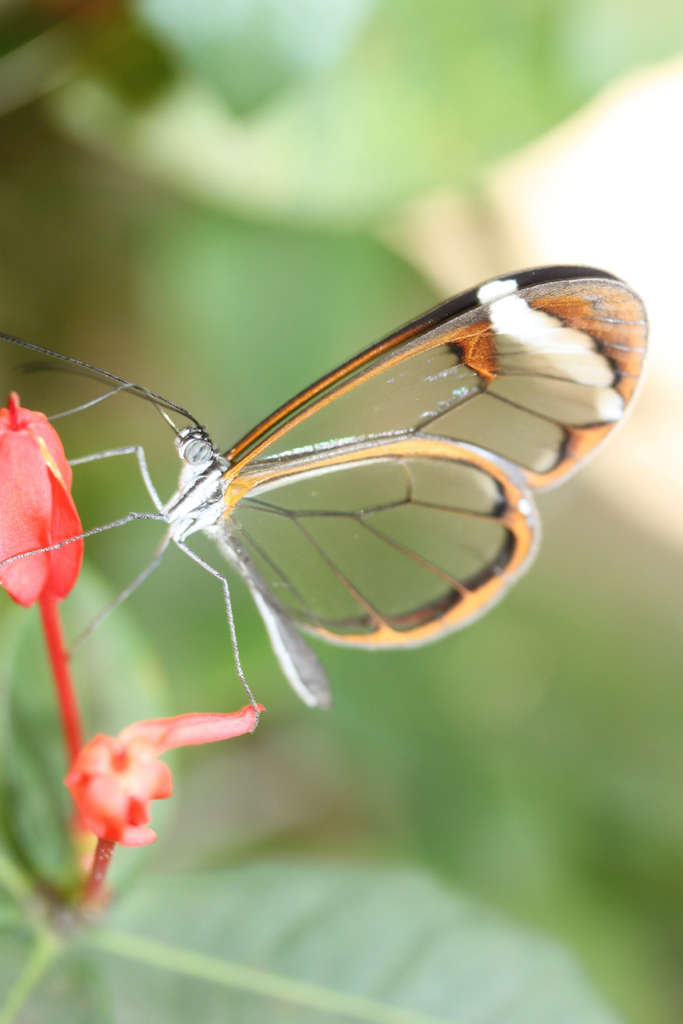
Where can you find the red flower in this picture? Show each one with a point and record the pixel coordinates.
(113, 781)
(36, 507)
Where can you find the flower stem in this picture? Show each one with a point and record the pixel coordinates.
(100, 865)
(59, 661)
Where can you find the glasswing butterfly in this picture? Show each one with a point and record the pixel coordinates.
(391, 501)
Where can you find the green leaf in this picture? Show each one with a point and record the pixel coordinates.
(251, 50)
(309, 943)
(118, 682)
(430, 94)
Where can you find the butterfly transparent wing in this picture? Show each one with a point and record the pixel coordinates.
(386, 544)
(538, 376)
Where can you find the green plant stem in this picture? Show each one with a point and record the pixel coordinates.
(256, 981)
(61, 672)
(43, 953)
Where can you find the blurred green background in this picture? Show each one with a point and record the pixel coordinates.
(192, 194)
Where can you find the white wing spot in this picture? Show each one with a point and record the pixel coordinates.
(511, 315)
(496, 290)
(531, 341)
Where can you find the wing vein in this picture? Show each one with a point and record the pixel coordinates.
(434, 569)
(372, 612)
(276, 569)
(532, 412)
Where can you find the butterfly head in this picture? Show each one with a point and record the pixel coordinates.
(195, 447)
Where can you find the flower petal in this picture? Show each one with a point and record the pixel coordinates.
(190, 730)
(65, 563)
(43, 430)
(103, 805)
(25, 514)
(137, 835)
(138, 811)
(36, 508)
(94, 759)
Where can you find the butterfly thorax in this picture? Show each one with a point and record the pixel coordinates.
(198, 502)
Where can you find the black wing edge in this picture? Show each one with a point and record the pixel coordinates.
(524, 278)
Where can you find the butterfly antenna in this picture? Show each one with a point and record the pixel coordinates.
(39, 367)
(168, 419)
(87, 405)
(87, 369)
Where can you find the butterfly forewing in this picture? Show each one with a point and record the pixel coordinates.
(537, 374)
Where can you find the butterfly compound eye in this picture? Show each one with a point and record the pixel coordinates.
(197, 452)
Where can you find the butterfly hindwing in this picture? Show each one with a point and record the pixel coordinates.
(387, 544)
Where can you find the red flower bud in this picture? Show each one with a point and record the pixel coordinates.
(36, 507)
(113, 781)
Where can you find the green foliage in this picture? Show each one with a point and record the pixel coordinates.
(19, 25)
(428, 93)
(296, 943)
(250, 51)
(128, 59)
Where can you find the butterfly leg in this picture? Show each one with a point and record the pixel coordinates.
(130, 518)
(113, 605)
(231, 619)
(134, 449)
(300, 664)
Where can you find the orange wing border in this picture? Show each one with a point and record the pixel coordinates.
(621, 338)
